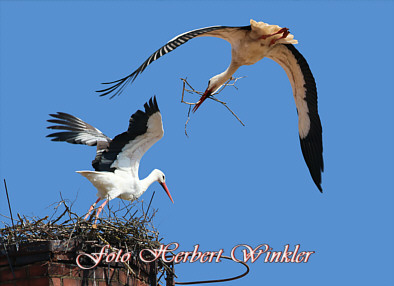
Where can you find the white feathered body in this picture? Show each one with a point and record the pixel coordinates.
(116, 184)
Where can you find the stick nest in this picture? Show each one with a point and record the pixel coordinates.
(127, 227)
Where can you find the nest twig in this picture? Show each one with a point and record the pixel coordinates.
(191, 90)
(127, 226)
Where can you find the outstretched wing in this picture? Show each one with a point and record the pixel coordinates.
(126, 149)
(305, 95)
(77, 132)
(214, 31)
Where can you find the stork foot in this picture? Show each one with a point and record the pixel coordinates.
(284, 35)
(283, 31)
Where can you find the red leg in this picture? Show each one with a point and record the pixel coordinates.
(100, 209)
(285, 33)
(91, 208)
(283, 30)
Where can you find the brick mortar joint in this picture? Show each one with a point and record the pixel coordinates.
(64, 271)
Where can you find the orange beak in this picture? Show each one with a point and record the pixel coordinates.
(167, 191)
(206, 94)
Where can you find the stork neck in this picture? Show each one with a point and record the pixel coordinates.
(149, 180)
(228, 73)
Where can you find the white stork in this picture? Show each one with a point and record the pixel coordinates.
(249, 44)
(117, 160)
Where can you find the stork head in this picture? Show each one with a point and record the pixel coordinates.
(161, 178)
(213, 85)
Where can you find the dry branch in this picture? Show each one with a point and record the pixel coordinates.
(191, 90)
(128, 227)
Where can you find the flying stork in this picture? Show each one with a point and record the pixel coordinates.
(117, 160)
(249, 44)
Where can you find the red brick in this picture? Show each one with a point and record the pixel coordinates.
(23, 282)
(71, 282)
(9, 284)
(58, 269)
(56, 282)
(76, 271)
(59, 256)
(124, 276)
(6, 274)
(140, 283)
(101, 283)
(87, 274)
(99, 272)
(3, 260)
(112, 274)
(42, 281)
(56, 273)
(38, 269)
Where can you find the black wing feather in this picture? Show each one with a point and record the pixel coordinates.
(118, 85)
(312, 144)
(137, 126)
(78, 131)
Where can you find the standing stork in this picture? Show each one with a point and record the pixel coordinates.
(117, 160)
(249, 44)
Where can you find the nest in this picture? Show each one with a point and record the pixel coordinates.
(126, 226)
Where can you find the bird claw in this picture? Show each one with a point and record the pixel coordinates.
(284, 31)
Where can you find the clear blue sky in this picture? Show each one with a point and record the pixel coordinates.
(231, 184)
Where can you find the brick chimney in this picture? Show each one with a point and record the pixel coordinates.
(53, 263)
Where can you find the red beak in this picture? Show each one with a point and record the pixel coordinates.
(206, 94)
(167, 191)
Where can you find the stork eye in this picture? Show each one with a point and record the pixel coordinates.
(164, 178)
(209, 82)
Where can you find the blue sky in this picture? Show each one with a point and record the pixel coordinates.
(231, 184)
